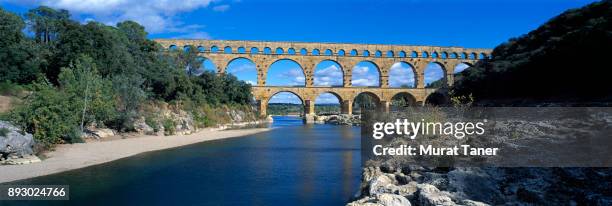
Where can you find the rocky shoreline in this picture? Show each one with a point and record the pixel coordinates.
(338, 119)
(416, 185)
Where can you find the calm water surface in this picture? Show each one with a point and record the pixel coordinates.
(294, 164)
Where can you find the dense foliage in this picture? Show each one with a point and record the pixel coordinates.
(92, 73)
(565, 59)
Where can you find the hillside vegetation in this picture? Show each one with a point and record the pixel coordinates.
(93, 75)
(566, 59)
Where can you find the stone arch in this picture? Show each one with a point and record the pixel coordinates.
(316, 52)
(279, 51)
(473, 55)
(228, 50)
(464, 55)
(390, 53)
(432, 83)
(366, 100)
(267, 71)
(437, 99)
(303, 51)
(393, 73)
(247, 68)
(402, 54)
(400, 100)
(444, 55)
(329, 74)
(341, 52)
(460, 67)
(254, 50)
(340, 99)
(172, 47)
(214, 49)
(206, 64)
(186, 48)
(482, 56)
(378, 53)
(267, 50)
(454, 55)
(435, 55)
(366, 53)
(328, 52)
(241, 50)
(201, 49)
(376, 66)
(329, 108)
(291, 51)
(414, 54)
(354, 52)
(272, 95)
(424, 54)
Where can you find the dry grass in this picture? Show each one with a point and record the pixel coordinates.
(6, 103)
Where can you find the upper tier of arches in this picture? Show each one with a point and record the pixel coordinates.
(327, 49)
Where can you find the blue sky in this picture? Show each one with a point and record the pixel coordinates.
(476, 23)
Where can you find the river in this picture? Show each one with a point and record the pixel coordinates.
(293, 164)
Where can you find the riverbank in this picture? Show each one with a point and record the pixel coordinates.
(74, 156)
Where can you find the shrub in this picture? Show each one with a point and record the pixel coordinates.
(55, 115)
(4, 132)
(169, 127)
(152, 122)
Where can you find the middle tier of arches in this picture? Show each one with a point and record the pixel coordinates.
(346, 65)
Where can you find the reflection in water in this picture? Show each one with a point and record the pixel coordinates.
(294, 164)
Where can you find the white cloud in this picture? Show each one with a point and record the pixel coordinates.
(329, 76)
(295, 76)
(327, 98)
(241, 68)
(364, 76)
(285, 97)
(156, 15)
(401, 74)
(194, 35)
(221, 8)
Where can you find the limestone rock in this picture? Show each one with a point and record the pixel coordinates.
(103, 133)
(28, 159)
(392, 200)
(142, 127)
(429, 195)
(15, 143)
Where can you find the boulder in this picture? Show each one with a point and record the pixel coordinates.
(429, 195)
(382, 184)
(142, 127)
(384, 199)
(103, 133)
(14, 143)
(27, 159)
(366, 201)
(392, 200)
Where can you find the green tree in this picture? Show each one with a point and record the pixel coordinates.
(47, 23)
(20, 58)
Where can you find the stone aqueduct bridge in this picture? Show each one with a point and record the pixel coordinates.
(308, 55)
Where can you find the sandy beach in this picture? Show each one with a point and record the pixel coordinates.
(73, 156)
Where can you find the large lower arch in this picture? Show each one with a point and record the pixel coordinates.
(328, 73)
(401, 100)
(366, 74)
(437, 99)
(285, 72)
(244, 69)
(365, 101)
(328, 103)
(284, 103)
